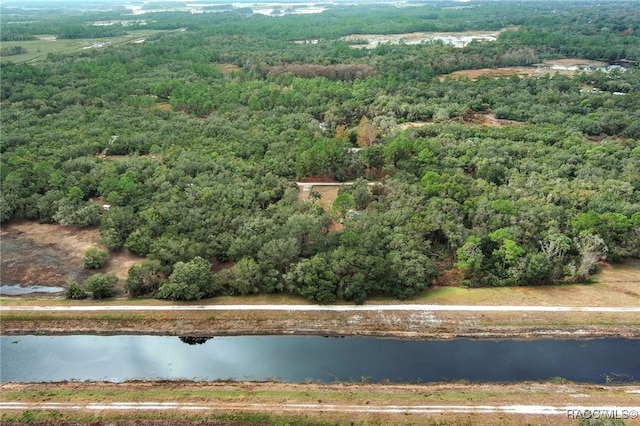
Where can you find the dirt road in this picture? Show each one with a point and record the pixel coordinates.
(630, 412)
(333, 308)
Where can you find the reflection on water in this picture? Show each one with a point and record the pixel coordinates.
(301, 358)
(194, 340)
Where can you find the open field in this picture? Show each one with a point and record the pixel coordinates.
(39, 49)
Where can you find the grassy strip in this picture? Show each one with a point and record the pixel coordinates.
(299, 419)
(53, 417)
(555, 392)
(372, 396)
(389, 320)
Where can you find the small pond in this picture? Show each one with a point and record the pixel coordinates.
(17, 290)
(315, 358)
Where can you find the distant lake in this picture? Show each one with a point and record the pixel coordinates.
(315, 358)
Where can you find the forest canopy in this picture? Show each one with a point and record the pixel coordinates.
(185, 148)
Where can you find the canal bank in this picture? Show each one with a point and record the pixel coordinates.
(239, 403)
(420, 322)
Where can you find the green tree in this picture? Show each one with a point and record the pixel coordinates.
(342, 204)
(412, 272)
(470, 255)
(144, 279)
(313, 279)
(280, 253)
(117, 224)
(191, 280)
(82, 215)
(244, 278)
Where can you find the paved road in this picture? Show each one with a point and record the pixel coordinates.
(627, 412)
(338, 308)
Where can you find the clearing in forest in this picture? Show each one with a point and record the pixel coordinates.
(560, 66)
(51, 254)
(457, 39)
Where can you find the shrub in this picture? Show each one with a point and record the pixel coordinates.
(75, 292)
(101, 286)
(95, 258)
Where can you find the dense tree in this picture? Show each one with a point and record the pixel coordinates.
(144, 279)
(194, 140)
(190, 280)
(313, 280)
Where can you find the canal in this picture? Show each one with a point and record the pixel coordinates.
(314, 358)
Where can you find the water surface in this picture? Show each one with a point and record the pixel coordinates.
(16, 289)
(315, 358)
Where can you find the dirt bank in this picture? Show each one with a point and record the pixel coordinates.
(404, 324)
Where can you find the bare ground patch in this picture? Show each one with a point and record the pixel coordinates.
(51, 255)
(227, 69)
(408, 124)
(565, 66)
(491, 121)
(492, 73)
(488, 119)
(328, 195)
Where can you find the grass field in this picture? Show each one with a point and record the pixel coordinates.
(46, 44)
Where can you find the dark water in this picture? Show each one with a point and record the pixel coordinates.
(315, 358)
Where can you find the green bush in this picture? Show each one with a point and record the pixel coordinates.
(95, 258)
(101, 286)
(75, 292)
